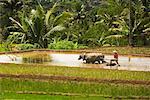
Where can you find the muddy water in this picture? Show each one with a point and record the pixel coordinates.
(71, 60)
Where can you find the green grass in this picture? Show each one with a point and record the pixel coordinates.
(16, 96)
(71, 87)
(122, 50)
(17, 69)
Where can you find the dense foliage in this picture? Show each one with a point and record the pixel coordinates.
(86, 22)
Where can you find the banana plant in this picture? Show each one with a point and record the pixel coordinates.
(37, 28)
(138, 19)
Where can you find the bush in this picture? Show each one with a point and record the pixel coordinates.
(2, 49)
(117, 41)
(82, 47)
(64, 44)
(24, 46)
(5, 47)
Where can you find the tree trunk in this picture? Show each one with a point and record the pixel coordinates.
(45, 43)
(130, 38)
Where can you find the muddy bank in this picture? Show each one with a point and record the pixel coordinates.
(78, 79)
(72, 51)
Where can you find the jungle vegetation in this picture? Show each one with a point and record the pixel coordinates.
(74, 24)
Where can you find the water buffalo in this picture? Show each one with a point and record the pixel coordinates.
(92, 57)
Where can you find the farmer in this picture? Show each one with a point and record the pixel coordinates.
(115, 54)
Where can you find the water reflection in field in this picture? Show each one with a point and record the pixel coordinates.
(71, 60)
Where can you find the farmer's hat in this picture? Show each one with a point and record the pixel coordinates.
(114, 51)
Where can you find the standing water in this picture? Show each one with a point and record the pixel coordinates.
(71, 60)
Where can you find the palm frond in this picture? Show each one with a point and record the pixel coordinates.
(38, 26)
(62, 18)
(146, 30)
(114, 36)
(55, 29)
(13, 20)
(49, 13)
(39, 11)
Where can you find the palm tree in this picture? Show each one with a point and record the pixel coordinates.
(138, 20)
(130, 25)
(131, 19)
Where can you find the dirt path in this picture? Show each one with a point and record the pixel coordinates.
(78, 79)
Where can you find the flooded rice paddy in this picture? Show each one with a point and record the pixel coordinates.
(71, 60)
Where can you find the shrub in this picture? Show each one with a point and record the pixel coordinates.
(5, 47)
(24, 46)
(2, 48)
(117, 41)
(64, 44)
(82, 47)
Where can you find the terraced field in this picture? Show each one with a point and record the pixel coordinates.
(38, 81)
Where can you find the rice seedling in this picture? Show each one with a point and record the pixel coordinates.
(25, 69)
(28, 86)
